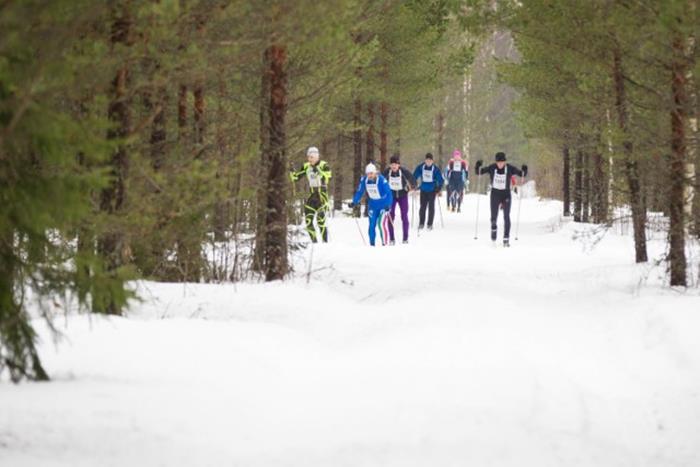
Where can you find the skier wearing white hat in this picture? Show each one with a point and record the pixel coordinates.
(379, 194)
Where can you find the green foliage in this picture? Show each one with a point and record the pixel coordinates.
(49, 156)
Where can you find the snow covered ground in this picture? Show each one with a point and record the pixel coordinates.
(443, 352)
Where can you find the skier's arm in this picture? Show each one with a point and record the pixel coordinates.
(439, 180)
(295, 175)
(418, 172)
(325, 171)
(485, 170)
(360, 191)
(409, 178)
(384, 189)
(515, 170)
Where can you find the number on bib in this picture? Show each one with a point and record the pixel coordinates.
(373, 190)
(314, 179)
(427, 175)
(499, 180)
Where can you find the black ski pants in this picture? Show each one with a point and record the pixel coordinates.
(498, 198)
(427, 201)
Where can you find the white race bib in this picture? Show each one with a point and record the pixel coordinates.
(499, 180)
(395, 182)
(457, 166)
(427, 176)
(373, 190)
(314, 178)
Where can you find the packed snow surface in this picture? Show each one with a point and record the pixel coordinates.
(447, 351)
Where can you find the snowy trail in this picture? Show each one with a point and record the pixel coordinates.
(444, 352)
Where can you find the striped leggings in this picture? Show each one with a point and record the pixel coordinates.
(378, 218)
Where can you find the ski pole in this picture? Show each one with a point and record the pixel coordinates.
(442, 223)
(413, 207)
(359, 229)
(478, 198)
(520, 205)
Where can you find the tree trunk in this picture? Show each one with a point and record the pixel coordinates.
(113, 198)
(397, 141)
(466, 110)
(338, 175)
(357, 148)
(586, 173)
(276, 263)
(383, 145)
(198, 113)
(158, 129)
(222, 207)
(677, 180)
(578, 186)
(263, 169)
(440, 137)
(637, 204)
(182, 113)
(600, 190)
(566, 181)
(369, 155)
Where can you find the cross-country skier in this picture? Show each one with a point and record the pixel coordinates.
(379, 194)
(431, 182)
(457, 175)
(317, 174)
(401, 181)
(500, 173)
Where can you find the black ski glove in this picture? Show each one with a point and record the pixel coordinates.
(351, 205)
(479, 163)
(524, 169)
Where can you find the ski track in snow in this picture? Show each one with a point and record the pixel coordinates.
(443, 352)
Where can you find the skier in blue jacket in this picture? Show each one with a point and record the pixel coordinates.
(380, 198)
(431, 182)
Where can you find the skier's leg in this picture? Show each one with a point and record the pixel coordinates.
(373, 215)
(321, 219)
(393, 216)
(309, 214)
(384, 227)
(506, 217)
(431, 208)
(495, 201)
(321, 215)
(423, 206)
(403, 204)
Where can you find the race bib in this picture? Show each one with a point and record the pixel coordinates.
(373, 190)
(427, 176)
(499, 180)
(395, 183)
(457, 166)
(314, 179)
